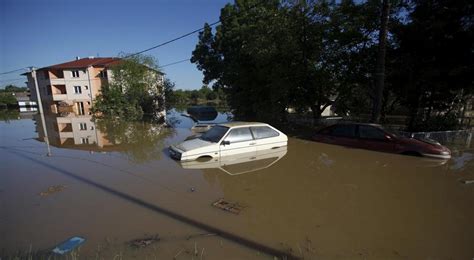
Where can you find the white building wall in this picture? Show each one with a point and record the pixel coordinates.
(82, 81)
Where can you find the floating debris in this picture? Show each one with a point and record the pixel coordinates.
(68, 245)
(201, 235)
(177, 254)
(228, 206)
(52, 189)
(467, 181)
(144, 242)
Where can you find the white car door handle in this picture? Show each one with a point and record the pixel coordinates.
(252, 143)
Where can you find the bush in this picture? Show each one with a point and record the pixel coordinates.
(211, 96)
(7, 99)
(437, 123)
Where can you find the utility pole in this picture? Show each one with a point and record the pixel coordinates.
(40, 107)
(380, 63)
(90, 85)
(90, 107)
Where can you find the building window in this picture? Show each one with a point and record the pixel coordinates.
(103, 74)
(83, 126)
(77, 90)
(80, 108)
(48, 90)
(86, 87)
(75, 74)
(84, 140)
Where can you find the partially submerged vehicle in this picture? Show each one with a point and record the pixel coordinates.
(202, 113)
(229, 139)
(374, 137)
(240, 163)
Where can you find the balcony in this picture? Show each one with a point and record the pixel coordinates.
(59, 92)
(59, 97)
(55, 74)
(65, 127)
(57, 81)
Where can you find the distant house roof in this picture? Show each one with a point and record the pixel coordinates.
(85, 63)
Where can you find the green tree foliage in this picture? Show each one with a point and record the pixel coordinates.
(134, 91)
(12, 88)
(7, 99)
(170, 97)
(7, 95)
(205, 94)
(270, 56)
(433, 62)
(244, 59)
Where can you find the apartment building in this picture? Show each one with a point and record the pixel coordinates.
(73, 86)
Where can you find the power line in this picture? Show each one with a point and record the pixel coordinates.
(12, 80)
(170, 41)
(184, 35)
(8, 72)
(6, 81)
(164, 43)
(173, 63)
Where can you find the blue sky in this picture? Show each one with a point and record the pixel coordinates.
(45, 32)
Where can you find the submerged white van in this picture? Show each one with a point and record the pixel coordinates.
(230, 139)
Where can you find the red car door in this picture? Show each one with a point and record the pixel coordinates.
(344, 135)
(373, 138)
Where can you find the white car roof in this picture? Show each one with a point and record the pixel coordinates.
(237, 124)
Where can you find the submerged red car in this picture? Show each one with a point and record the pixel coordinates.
(374, 137)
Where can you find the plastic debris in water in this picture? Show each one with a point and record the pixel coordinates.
(144, 242)
(228, 206)
(52, 189)
(68, 245)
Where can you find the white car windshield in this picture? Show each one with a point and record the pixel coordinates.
(214, 134)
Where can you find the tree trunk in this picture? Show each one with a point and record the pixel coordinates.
(413, 114)
(380, 64)
(316, 109)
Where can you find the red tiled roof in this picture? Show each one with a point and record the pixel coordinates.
(85, 62)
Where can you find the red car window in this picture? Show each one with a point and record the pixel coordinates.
(370, 132)
(344, 131)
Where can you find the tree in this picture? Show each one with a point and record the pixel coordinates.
(300, 54)
(247, 61)
(211, 95)
(134, 91)
(434, 64)
(7, 99)
(12, 88)
(204, 91)
(380, 65)
(169, 93)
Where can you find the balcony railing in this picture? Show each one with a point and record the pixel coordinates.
(57, 81)
(59, 97)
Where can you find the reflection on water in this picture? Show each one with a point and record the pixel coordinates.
(240, 163)
(140, 141)
(315, 200)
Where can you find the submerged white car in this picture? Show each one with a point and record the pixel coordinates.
(230, 139)
(241, 163)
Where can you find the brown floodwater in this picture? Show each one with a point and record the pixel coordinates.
(310, 200)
